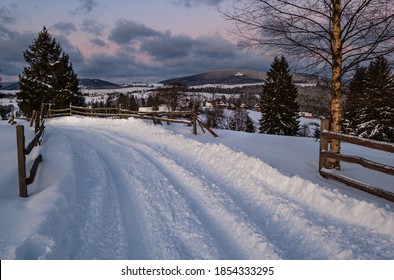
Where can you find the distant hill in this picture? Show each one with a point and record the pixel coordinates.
(96, 84)
(229, 77)
(83, 83)
(234, 77)
(9, 86)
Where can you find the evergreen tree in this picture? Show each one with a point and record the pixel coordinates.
(374, 118)
(249, 124)
(279, 109)
(357, 99)
(48, 76)
(127, 102)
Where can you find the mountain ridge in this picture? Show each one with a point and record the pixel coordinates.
(229, 76)
(225, 77)
(83, 83)
(234, 77)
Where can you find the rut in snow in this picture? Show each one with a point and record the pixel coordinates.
(168, 197)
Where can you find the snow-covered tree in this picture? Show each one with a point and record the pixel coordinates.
(279, 109)
(48, 77)
(357, 100)
(375, 117)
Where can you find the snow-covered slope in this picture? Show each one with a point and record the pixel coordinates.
(125, 189)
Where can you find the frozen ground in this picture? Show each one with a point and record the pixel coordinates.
(125, 189)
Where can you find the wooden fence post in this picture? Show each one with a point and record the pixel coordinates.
(33, 117)
(325, 125)
(42, 111)
(194, 119)
(20, 142)
(12, 116)
(49, 110)
(37, 122)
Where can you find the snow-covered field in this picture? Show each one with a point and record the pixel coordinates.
(125, 189)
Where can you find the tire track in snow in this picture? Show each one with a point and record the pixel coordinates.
(292, 227)
(178, 206)
(288, 224)
(254, 224)
(98, 229)
(156, 222)
(236, 236)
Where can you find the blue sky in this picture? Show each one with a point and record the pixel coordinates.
(125, 40)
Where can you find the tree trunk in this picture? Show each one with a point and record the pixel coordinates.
(335, 146)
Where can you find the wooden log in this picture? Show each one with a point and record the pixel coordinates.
(42, 111)
(90, 114)
(368, 143)
(33, 142)
(60, 110)
(12, 116)
(325, 125)
(165, 113)
(167, 120)
(20, 143)
(207, 127)
(33, 170)
(358, 185)
(59, 115)
(202, 127)
(37, 122)
(362, 161)
(33, 117)
(49, 111)
(194, 119)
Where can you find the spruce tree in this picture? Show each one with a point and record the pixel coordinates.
(376, 118)
(279, 109)
(357, 100)
(249, 124)
(48, 76)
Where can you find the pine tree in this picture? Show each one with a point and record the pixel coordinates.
(249, 124)
(375, 117)
(279, 109)
(356, 99)
(48, 76)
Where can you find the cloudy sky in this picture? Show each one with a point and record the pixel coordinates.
(125, 40)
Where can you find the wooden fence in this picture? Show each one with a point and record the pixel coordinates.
(22, 152)
(326, 136)
(38, 120)
(183, 117)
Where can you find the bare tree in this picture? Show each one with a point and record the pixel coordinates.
(330, 36)
(172, 95)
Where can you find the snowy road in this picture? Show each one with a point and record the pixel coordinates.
(135, 191)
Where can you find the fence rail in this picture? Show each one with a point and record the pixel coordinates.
(326, 136)
(22, 152)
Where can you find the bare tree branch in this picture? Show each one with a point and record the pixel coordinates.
(296, 27)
